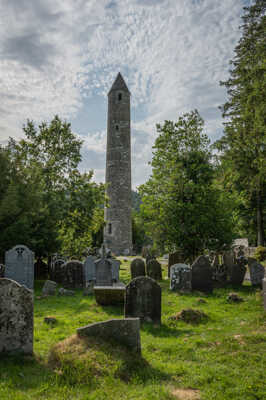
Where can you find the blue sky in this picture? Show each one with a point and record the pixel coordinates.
(61, 57)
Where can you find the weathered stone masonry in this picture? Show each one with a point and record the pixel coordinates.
(118, 230)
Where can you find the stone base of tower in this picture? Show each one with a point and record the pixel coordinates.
(119, 241)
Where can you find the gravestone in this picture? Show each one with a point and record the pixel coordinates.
(57, 270)
(154, 270)
(40, 269)
(73, 275)
(256, 271)
(109, 295)
(49, 288)
(228, 259)
(238, 270)
(123, 331)
(115, 269)
(174, 258)
(16, 318)
(104, 275)
(180, 277)
(202, 274)
(89, 270)
(143, 300)
(137, 268)
(19, 265)
(2, 271)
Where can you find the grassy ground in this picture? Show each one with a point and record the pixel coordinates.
(221, 358)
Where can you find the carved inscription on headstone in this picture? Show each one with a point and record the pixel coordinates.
(19, 265)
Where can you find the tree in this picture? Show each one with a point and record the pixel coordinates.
(181, 208)
(243, 146)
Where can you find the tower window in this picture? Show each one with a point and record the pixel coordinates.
(117, 127)
(119, 96)
(109, 229)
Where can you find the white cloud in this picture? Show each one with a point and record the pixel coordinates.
(173, 53)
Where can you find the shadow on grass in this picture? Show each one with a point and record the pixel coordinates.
(164, 330)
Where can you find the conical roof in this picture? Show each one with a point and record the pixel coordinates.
(119, 84)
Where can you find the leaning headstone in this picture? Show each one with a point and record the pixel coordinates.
(89, 270)
(73, 275)
(202, 274)
(49, 288)
(137, 268)
(19, 265)
(16, 318)
(154, 270)
(124, 331)
(256, 271)
(104, 275)
(143, 300)
(174, 258)
(2, 271)
(180, 277)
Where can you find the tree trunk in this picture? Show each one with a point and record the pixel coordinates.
(260, 231)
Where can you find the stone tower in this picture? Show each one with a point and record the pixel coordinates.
(118, 228)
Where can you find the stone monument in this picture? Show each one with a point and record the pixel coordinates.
(19, 265)
(180, 277)
(118, 229)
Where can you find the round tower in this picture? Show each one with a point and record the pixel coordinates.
(118, 228)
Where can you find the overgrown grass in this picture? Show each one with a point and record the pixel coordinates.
(222, 357)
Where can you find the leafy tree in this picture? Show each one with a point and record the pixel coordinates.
(181, 208)
(243, 146)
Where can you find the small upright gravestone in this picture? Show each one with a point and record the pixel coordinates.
(143, 300)
(19, 265)
(202, 274)
(256, 271)
(115, 269)
(57, 270)
(89, 270)
(104, 276)
(16, 318)
(154, 270)
(137, 268)
(73, 275)
(180, 277)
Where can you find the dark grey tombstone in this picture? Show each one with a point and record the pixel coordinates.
(180, 277)
(115, 269)
(73, 275)
(256, 271)
(16, 318)
(57, 270)
(19, 265)
(143, 300)
(202, 274)
(104, 275)
(174, 258)
(154, 269)
(137, 268)
(238, 271)
(2, 271)
(123, 331)
(89, 270)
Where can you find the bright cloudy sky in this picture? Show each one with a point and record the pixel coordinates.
(61, 57)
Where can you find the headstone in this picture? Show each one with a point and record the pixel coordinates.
(19, 265)
(123, 331)
(228, 259)
(174, 258)
(109, 295)
(89, 270)
(202, 274)
(16, 318)
(238, 270)
(154, 270)
(104, 275)
(257, 272)
(57, 270)
(115, 269)
(49, 288)
(137, 268)
(2, 271)
(40, 269)
(73, 275)
(180, 277)
(143, 300)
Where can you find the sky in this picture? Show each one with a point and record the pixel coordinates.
(61, 57)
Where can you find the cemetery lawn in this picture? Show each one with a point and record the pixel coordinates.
(224, 357)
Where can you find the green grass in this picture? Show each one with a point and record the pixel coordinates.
(223, 357)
